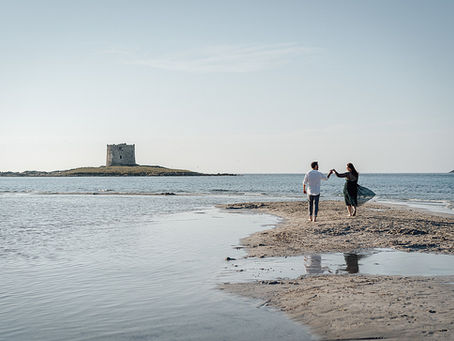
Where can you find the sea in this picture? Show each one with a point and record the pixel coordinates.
(141, 258)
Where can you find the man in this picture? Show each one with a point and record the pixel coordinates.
(312, 181)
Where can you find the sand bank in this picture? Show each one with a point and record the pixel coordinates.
(353, 307)
(375, 226)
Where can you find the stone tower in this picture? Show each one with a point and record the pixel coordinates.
(121, 155)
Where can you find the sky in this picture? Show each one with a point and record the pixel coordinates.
(228, 86)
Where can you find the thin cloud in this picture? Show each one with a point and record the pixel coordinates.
(226, 58)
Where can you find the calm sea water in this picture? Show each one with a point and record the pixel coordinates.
(435, 191)
(131, 264)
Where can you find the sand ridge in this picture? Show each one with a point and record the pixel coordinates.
(375, 226)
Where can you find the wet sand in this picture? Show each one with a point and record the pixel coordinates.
(375, 226)
(353, 307)
(357, 307)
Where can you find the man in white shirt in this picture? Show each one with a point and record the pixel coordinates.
(311, 186)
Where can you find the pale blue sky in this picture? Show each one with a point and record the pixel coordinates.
(228, 86)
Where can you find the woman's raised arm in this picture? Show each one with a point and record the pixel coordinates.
(340, 175)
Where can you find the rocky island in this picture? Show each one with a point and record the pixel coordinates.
(120, 161)
(113, 171)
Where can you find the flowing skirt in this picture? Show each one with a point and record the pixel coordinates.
(364, 195)
(356, 195)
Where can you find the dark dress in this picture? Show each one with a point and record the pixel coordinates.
(350, 188)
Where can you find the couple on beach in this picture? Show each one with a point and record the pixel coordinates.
(311, 187)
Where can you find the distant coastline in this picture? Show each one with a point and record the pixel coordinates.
(138, 170)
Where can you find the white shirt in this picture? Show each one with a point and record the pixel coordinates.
(312, 181)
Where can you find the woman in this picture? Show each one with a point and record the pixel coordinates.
(350, 188)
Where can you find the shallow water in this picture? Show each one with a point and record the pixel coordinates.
(145, 279)
(370, 262)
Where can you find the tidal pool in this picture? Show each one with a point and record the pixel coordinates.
(370, 262)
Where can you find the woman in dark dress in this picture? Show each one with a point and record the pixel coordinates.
(350, 188)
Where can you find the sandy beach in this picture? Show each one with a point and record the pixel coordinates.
(355, 307)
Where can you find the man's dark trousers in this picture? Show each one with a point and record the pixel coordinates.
(313, 199)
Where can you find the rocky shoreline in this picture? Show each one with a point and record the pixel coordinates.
(355, 307)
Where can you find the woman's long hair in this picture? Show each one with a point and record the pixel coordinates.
(352, 169)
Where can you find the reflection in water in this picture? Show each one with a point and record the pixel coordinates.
(313, 264)
(351, 260)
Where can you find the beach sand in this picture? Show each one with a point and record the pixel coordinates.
(353, 307)
(375, 226)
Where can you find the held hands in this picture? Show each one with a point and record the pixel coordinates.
(330, 172)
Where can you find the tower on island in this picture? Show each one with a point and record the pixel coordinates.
(121, 155)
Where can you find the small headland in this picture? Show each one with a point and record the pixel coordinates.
(138, 170)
